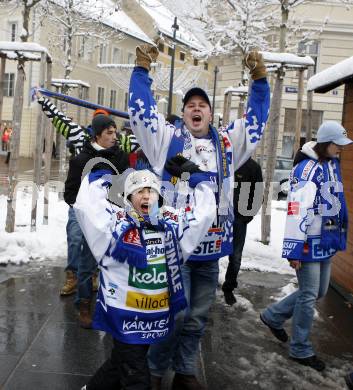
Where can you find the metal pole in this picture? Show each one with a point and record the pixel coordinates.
(216, 70)
(170, 99)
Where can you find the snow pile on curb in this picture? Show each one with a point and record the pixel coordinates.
(23, 246)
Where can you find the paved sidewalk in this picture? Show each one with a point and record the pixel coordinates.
(43, 348)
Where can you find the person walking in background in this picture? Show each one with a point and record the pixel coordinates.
(316, 228)
(248, 193)
(139, 252)
(8, 134)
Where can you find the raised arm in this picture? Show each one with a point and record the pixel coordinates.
(245, 133)
(71, 131)
(150, 128)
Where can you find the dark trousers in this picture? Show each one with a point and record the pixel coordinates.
(239, 234)
(126, 369)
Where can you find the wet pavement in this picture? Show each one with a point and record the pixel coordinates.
(43, 348)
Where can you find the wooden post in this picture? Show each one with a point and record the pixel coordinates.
(299, 112)
(2, 81)
(49, 137)
(226, 108)
(62, 155)
(15, 146)
(38, 157)
(80, 96)
(272, 138)
(309, 109)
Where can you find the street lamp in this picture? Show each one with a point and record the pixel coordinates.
(216, 70)
(175, 27)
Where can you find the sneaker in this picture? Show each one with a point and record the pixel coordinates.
(186, 382)
(280, 334)
(311, 361)
(349, 380)
(229, 297)
(70, 285)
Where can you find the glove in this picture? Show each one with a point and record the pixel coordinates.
(145, 55)
(256, 65)
(178, 165)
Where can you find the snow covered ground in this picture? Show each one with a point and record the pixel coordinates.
(49, 241)
(23, 246)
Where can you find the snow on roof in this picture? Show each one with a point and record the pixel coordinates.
(122, 22)
(69, 82)
(287, 58)
(118, 20)
(242, 90)
(12, 50)
(331, 77)
(165, 19)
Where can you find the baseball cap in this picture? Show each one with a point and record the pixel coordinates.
(196, 92)
(332, 131)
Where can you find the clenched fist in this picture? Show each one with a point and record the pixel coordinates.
(145, 55)
(256, 65)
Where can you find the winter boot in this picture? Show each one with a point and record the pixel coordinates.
(311, 361)
(95, 281)
(349, 380)
(70, 285)
(186, 382)
(85, 317)
(156, 382)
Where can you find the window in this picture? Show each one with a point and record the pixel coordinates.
(100, 98)
(116, 56)
(182, 56)
(13, 32)
(205, 66)
(196, 62)
(130, 58)
(311, 49)
(9, 84)
(170, 51)
(102, 53)
(85, 50)
(126, 101)
(112, 101)
(161, 47)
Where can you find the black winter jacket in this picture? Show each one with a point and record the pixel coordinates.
(250, 172)
(77, 164)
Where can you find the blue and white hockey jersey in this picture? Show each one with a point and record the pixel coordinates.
(133, 303)
(239, 141)
(316, 225)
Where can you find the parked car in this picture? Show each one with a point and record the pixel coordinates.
(283, 168)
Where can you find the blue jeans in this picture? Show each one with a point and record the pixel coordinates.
(239, 234)
(313, 281)
(74, 240)
(87, 266)
(180, 350)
